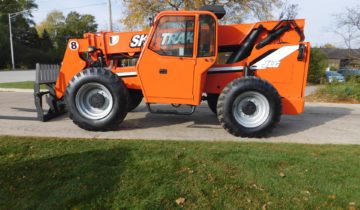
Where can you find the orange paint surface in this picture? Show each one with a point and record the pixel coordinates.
(170, 64)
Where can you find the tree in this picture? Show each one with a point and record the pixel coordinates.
(61, 28)
(22, 27)
(138, 11)
(348, 26)
(46, 43)
(26, 36)
(329, 46)
(53, 22)
(317, 67)
(289, 12)
(76, 25)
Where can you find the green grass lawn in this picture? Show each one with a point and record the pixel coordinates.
(20, 85)
(114, 174)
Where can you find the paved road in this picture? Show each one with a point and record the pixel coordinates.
(17, 76)
(321, 123)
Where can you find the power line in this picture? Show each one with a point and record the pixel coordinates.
(69, 8)
(62, 9)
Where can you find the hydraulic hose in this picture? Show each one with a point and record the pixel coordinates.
(272, 36)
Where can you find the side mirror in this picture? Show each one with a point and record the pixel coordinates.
(151, 21)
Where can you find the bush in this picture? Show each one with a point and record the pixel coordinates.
(353, 78)
(339, 92)
(317, 67)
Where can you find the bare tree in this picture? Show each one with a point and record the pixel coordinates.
(348, 34)
(289, 11)
(352, 17)
(348, 26)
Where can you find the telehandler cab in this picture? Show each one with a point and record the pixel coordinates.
(249, 74)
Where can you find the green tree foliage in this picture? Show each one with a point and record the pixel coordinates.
(329, 46)
(317, 67)
(61, 28)
(45, 43)
(76, 25)
(22, 27)
(53, 22)
(137, 11)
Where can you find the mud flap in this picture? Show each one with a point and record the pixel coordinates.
(47, 75)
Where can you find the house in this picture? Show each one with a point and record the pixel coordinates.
(342, 58)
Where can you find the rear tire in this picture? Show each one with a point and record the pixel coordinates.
(135, 98)
(249, 107)
(212, 100)
(97, 99)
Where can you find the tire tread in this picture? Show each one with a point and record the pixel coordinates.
(117, 84)
(249, 82)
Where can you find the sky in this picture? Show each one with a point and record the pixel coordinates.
(320, 19)
(97, 8)
(319, 15)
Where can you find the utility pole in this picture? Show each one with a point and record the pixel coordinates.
(11, 44)
(11, 15)
(110, 15)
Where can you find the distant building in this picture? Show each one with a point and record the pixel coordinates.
(342, 58)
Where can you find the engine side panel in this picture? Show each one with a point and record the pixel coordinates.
(287, 74)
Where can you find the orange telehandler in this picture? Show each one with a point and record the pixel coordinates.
(249, 74)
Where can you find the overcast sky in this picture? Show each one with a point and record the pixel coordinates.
(319, 14)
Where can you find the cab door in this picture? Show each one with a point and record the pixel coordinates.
(166, 66)
(174, 62)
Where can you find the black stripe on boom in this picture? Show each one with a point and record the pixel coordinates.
(262, 56)
(225, 71)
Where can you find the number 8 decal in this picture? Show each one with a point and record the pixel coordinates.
(73, 45)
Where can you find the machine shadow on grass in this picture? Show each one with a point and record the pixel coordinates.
(86, 179)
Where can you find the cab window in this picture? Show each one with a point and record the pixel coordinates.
(207, 39)
(174, 36)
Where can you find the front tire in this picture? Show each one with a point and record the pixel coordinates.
(97, 99)
(249, 107)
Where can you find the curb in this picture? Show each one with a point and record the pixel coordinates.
(17, 90)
